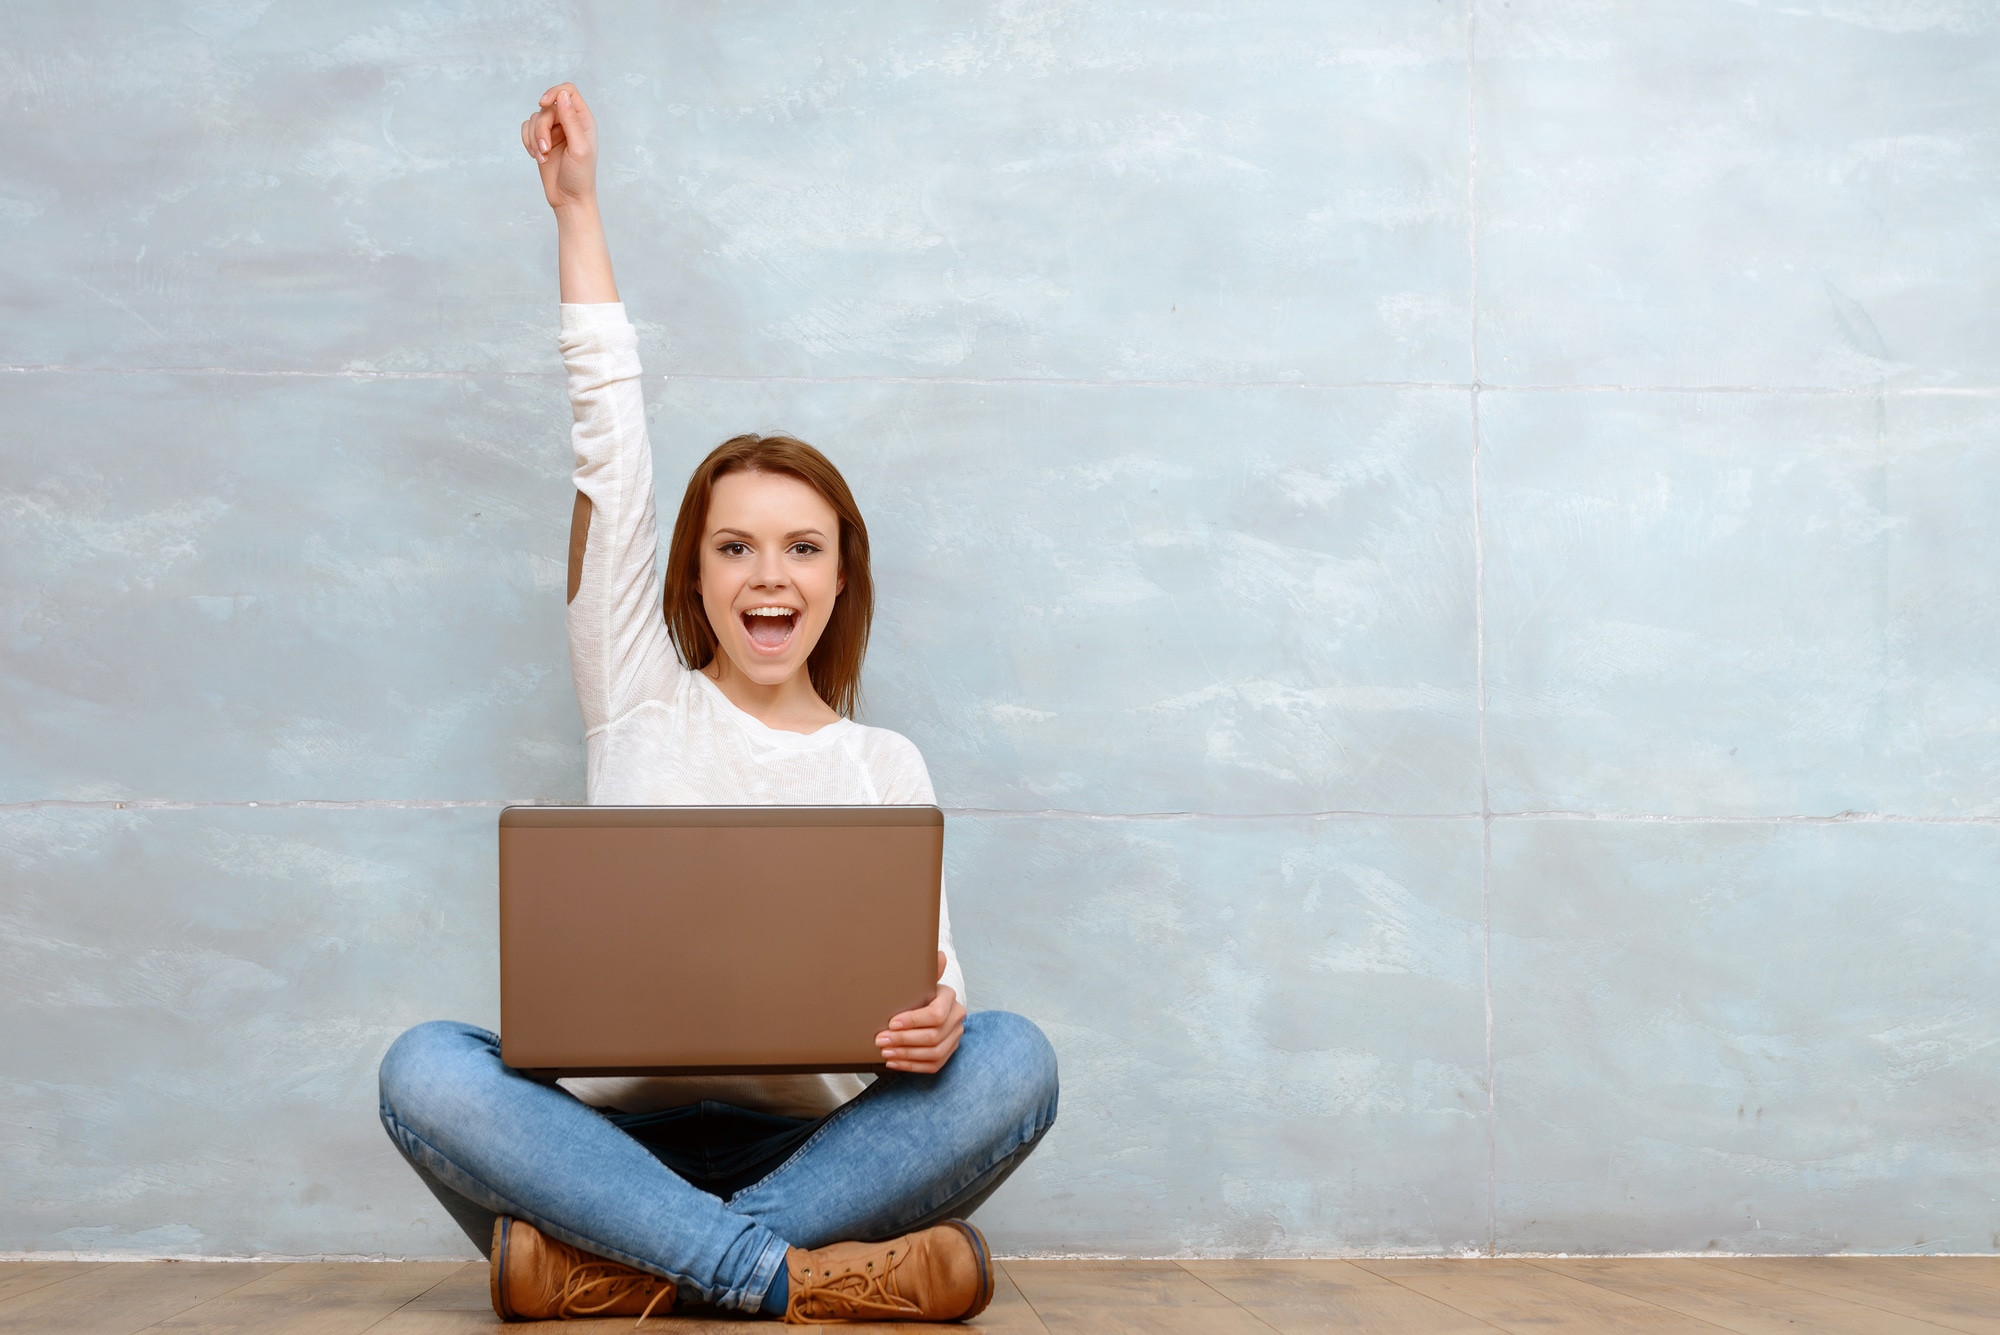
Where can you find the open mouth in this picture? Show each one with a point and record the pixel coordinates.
(770, 628)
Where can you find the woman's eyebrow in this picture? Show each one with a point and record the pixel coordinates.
(745, 534)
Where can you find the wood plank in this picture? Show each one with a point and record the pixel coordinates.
(125, 1296)
(1113, 1297)
(1010, 1312)
(1521, 1296)
(325, 1298)
(1740, 1302)
(1744, 1295)
(463, 1290)
(26, 1276)
(1294, 1297)
(443, 1321)
(446, 1321)
(1983, 1271)
(462, 1304)
(1960, 1298)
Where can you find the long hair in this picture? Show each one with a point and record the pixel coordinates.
(834, 666)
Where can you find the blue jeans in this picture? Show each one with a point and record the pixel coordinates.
(911, 1151)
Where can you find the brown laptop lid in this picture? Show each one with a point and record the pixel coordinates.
(699, 940)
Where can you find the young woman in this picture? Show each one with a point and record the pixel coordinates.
(809, 1196)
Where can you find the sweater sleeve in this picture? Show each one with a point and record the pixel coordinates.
(954, 977)
(619, 651)
(906, 780)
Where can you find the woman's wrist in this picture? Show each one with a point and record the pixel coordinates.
(583, 260)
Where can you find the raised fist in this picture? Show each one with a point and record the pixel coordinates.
(562, 139)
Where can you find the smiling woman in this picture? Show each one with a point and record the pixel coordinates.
(734, 684)
(798, 589)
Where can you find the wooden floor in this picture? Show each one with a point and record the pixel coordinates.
(1831, 1296)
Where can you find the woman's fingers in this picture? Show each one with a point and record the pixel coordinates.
(939, 1006)
(570, 104)
(539, 134)
(914, 1039)
(921, 1039)
(909, 1022)
(926, 1058)
(933, 1053)
(932, 1014)
(572, 117)
(543, 132)
(924, 1038)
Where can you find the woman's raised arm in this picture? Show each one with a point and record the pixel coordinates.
(620, 655)
(562, 139)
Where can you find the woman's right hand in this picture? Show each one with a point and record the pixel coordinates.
(562, 139)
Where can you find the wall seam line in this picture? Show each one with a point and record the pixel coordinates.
(1026, 813)
(1049, 382)
(1479, 611)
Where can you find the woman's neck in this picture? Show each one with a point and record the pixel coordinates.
(791, 705)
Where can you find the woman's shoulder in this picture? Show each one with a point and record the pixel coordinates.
(884, 743)
(893, 760)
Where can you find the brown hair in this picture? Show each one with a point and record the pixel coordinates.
(834, 665)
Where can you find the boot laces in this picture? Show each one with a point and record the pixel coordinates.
(851, 1294)
(592, 1287)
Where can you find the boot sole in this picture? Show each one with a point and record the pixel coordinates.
(984, 1255)
(498, 1267)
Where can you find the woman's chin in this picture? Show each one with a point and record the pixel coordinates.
(765, 668)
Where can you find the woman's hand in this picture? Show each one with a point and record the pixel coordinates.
(562, 139)
(922, 1041)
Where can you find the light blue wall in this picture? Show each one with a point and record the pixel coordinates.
(1445, 564)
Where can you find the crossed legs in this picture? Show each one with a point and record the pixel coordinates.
(909, 1152)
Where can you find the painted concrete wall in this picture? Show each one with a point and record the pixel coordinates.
(1443, 562)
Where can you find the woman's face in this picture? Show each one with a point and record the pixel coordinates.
(770, 571)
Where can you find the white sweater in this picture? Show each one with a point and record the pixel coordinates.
(657, 734)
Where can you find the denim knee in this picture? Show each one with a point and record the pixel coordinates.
(1019, 1060)
(418, 1067)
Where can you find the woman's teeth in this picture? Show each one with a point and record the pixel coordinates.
(769, 627)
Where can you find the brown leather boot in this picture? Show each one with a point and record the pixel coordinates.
(941, 1274)
(536, 1278)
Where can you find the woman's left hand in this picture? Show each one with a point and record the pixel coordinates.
(922, 1041)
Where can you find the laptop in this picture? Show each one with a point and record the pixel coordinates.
(713, 940)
